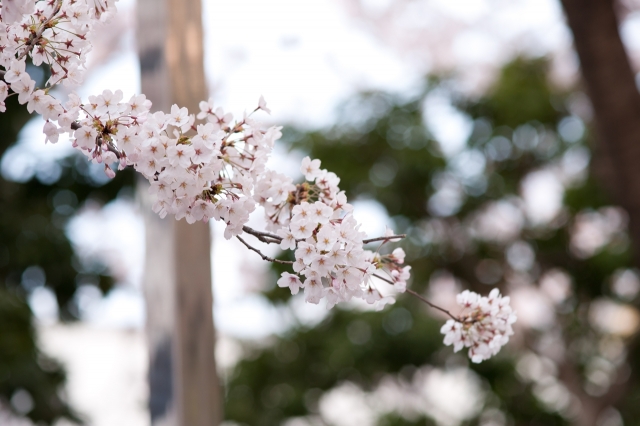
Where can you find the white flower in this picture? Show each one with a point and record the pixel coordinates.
(139, 104)
(220, 118)
(4, 90)
(313, 290)
(24, 88)
(202, 153)
(13, 10)
(321, 264)
(302, 229)
(328, 180)
(398, 255)
(468, 299)
(320, 212)
(51, 131)
(305, 252)
(128, 139)
(262, 104)
(400, 277)
(453, 334)
(326, 238)
(288, 240)
(107, 102)
(290, 280)
(74, 76)
(51, 108)
(180, 155)
(310, 169)
(206, 108)
(37, 102)
(179, 117)
(332, 296)
(301, 211)
(372, 295)
(382, 303)
(86, 137)
(15, 71)
(484, 326)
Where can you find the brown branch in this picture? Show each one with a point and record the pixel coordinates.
(387, 280)
(385, 239)
(36, 38)
(425, 300)
(268, 238)
(422, 298)
(111, 147)
(264, 257)
(265, 237)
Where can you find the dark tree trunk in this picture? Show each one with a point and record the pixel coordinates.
(611, 86)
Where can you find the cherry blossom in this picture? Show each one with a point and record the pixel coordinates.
(484, 325)
(208, 165)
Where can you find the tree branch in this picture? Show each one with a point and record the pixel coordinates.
(264, 257)
(111, 147)
(425, 300)
(422, 298)
(43, 27)
(265, 237)
(269, 238)
(385, 239)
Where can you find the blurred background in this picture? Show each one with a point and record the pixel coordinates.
(469, 125)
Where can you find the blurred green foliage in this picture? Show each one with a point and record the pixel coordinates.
(25, 368)
(34, 252)
(383, 150)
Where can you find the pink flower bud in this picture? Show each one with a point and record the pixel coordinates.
(109, 172)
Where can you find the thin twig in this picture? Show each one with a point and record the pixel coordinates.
(422, 298)
(43, 27)
(111, 147)
(384, 279)
(432, 305)
(265, 237)
(392, 237)
(267, 258)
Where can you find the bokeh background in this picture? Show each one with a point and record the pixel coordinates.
(462, 123)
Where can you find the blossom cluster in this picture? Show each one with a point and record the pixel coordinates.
(55, 33)
(199, 167)
(209, 173)
(317, 222)
(205, 165)
(484, 326)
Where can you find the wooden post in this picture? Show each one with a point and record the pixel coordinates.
(184, 387)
